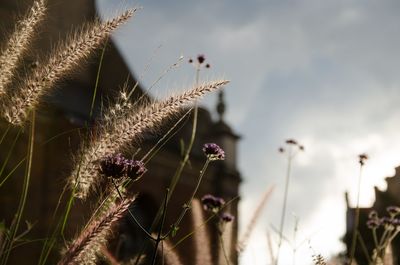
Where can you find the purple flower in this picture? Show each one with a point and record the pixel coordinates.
(373, 223)
(227, 217)
(113, 166)
(212, 203)
(213, 151)
(373, 215)
(386, 220)
(393, 210)
(134, 169)
(201, 58)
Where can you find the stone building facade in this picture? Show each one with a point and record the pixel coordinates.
(383, 199)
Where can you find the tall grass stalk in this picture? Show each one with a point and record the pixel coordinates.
(242, 242)
(362, 159)
(285, 198)
(293, 147)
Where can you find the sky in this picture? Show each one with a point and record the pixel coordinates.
(322, 72)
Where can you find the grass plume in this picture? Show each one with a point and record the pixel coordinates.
(242, 243)
(85, 248)
(127, 129)
(18, 43)
(201, 239)
(57, 65)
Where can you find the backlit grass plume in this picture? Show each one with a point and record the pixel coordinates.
(169, 256)
(202, 241)
(85, 248)
(18, 43)
(126, 129)
(58, 64)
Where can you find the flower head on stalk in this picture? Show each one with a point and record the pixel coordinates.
(362, 158)
(213, 151)
(393, 210)
(113, 166)
(226, 217)
(212, 203)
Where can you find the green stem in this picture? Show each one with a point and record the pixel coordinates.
(131, 214)
(97, 79)
(356, 219)
(186, 206)
(159, 236)
(285, 196)
(25, 189)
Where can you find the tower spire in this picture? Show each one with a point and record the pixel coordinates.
(221, 106)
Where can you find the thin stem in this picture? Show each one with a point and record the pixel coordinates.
(25, 189)
(8, 157)
(356, 218)
(131, 214)
(97, 78)
(159, 236)
(178, 172)
(204, 223)
(186, 206)
(294, 239)
(285, 196)
(5, 133)
(364, 247)
(221, 241)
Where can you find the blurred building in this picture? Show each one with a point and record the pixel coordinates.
(62, 123)
(383, 199)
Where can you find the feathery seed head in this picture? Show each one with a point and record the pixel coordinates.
(86, 247)
(59, 63)
(18, 43)
(128, 127)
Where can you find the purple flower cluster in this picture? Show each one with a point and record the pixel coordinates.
(213, 151)
(212, 203)
(391, 222)
(116, 166)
